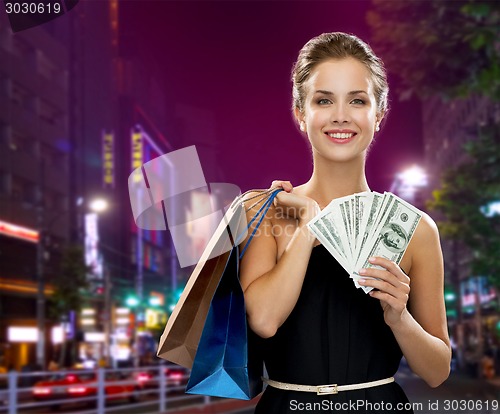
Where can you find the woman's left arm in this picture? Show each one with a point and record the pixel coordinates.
(423, 334)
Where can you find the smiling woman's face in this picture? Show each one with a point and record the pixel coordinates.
(340, 110)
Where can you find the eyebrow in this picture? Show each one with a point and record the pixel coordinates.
(349, 93)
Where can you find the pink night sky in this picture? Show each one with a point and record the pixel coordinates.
(233, 59)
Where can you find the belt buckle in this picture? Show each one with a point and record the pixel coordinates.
(327, 389)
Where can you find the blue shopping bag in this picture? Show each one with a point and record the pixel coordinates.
(228, 362)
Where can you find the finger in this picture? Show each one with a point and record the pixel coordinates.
(390, 266)
(390, 300)
(380, 274)
(286, 185)
(401, 292)
(286, 202)
(282, 200)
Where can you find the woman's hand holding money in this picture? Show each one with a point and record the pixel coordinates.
(393, 288)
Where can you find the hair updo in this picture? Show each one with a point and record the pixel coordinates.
(338, 45)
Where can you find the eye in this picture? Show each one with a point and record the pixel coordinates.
(323, 101)
(358, 101)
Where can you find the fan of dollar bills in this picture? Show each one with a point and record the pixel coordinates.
(362, 225)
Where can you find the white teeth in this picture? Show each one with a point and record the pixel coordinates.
(341, 136)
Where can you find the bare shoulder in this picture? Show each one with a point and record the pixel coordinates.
(426, 235)
(427, 266)
(427, 225)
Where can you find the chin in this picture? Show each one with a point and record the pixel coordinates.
(341, 156)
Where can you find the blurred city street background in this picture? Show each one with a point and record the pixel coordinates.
(93, 94)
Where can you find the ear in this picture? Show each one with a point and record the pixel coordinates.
(379, 117)
(299, 115)
(378, 120)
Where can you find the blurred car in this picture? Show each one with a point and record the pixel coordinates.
(84, 384)
(175, 376)
(55, 387)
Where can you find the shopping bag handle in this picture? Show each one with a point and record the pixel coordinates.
(262, 212)
(261, 196)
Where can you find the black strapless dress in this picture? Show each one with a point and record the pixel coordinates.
(336, 334)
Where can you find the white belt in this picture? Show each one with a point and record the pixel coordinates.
(326, 389)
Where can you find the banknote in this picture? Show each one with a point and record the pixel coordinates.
(363, 225)
(360, 206)
(392, 234)
(371, 209)
(324, 234)
(345, 229)
(338, 220)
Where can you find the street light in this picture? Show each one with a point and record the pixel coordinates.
(98, 205)
(408, 182)
(154, 301)
(44, 229)
(414, 176)
(132, 301)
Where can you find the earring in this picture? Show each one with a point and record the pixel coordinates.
(377, 128)
(302, 126)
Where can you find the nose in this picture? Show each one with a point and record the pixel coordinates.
(340, 114)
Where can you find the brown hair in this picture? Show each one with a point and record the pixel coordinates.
(338, 45)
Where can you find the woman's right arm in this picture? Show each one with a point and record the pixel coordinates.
(272, 287)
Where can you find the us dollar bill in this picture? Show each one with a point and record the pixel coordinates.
(345, 232)
(356, 227)
(367, 224)
(392, 235)
(327, 234)
(339, 219)
(360, 203)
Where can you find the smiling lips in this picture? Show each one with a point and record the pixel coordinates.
(341, 136)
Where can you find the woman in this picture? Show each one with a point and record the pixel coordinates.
(317, 328)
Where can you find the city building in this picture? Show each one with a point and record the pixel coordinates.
(34, 185)
(78, 112)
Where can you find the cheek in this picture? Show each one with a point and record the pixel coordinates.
(317, 119)
(366, 120)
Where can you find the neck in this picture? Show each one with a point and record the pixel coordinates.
(331, 180)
